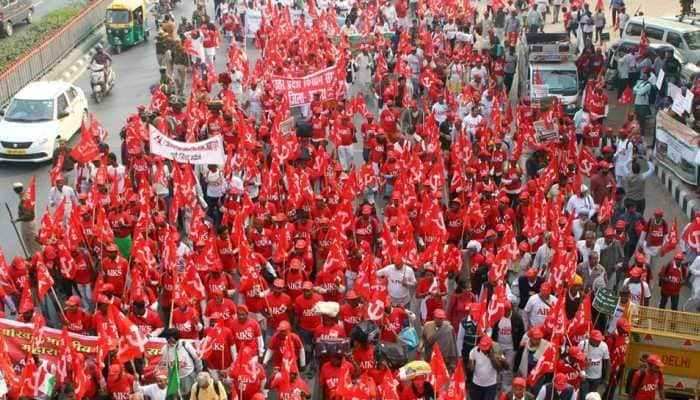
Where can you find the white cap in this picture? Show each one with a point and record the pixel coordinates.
(17, 185)
(474, 245)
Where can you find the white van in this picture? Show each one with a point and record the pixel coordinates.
(683, 36)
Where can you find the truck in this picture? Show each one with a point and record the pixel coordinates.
(546, 68)
(675, 337)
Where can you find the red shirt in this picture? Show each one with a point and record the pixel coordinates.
(330, 375)
(224, 310)
(365, 358)
(279, 309)
(83, 273)
(304, 310)
(220, 281)
(78, 321)
(115, 272)
(276, 343)
(147, 322)
(392, 324)
(327, 280)
(326, 332)
(250, 383)
(121, 389)
(656, 232)
(671, 277)
(648, 386)
(387, 120)
(185, 322)
(245, 334)
(286, 390)
(294, 280)
(220, 356)
(261, 242)
(350, 316)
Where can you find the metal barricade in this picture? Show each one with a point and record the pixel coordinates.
(38, 61)
(668, 323)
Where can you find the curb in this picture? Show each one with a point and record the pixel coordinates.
(685, 198)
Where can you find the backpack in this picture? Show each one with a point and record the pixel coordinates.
(630, 377)
(365, 332)
(217, 388)
(394, 354)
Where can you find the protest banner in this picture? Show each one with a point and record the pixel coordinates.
(301, 90)
(17, 337)
(605, 301)
(209, 151)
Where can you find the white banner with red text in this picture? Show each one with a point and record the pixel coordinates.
(301, 90)
(209, 151)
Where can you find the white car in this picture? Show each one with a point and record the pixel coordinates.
(40, 114)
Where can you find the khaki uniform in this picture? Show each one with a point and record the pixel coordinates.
(181, 62)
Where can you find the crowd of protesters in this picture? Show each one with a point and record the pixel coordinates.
(302, 268)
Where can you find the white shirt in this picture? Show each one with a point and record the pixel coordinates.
(56, 197)
(470, 123)
(400, 294)
(637, 290)
(482, 72)
(537, 309)
(440, 111)
(581, 204)
(594, 359)
(153, 391)
(505, 333)
(484, 373)
(216, 183)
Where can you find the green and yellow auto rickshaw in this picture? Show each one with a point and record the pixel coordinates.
(126, 23)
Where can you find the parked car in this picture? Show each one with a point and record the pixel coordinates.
(37, 116)
(13, 12)
(688, 70)
(683, 36)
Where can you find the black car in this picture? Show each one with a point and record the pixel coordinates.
(13, 12)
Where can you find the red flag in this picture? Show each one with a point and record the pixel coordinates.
(457, 390)
(599, 5)
(691, 234)
(671, 239)
(440, 374)
(87, 149)
(213, 336)
(43, 278)
(606, 211)
(538, 78)
(545, 364)
(493, 309)
(586, 161)
(627, 96)
(26, 302)
(289, 360)
(581, 323)
(8, 372)
(131, 340)
(29, 200)
(192, 284)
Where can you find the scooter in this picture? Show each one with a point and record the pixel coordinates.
(100, 88)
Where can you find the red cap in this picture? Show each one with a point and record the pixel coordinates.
(500, 228)
(307, 285)
(655, 360)
(597, 335)
(524, 246)
(102, 299)
(679, 256)
(485, 343)
(73, 301)
(636, 272)
(217, 292)
(535, 333)
(560, 381)
(624, 324)
(300, 244)
(545, 289)
(659, 212)
(620, 224)
(278, 283)
(439, 313)
(366, 209)
(531, 272)
(519, 382)
(49, 252)
(112, 248)
(295, 264)
(576, 353)
(609, 232)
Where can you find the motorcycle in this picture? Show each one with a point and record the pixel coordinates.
(163, 9)
(100, 87)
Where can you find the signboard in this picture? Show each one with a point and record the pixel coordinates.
(287, 126)
(660, 79)
(300, 91)
(209, 151)
(17, 337)
(677, 361)
(545, 134)
(605, 301)
(540, 91)
(677, 148)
